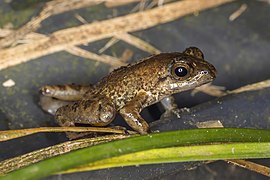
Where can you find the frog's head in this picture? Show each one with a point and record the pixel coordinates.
(189, 70)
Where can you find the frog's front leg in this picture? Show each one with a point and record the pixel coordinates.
(169, 103)
(171, 108)
(130, 112)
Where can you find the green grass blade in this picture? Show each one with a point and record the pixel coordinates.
(182, 154)
(135, 144)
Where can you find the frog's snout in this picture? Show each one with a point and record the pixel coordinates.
(209, 72)
(212, 71)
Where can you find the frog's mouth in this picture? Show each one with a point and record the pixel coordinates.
(202, 77)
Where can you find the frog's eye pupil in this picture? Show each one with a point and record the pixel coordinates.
(181, 71)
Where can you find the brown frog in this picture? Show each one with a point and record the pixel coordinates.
(129, 89)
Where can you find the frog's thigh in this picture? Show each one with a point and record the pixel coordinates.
(68, 92)
(130, 112)
(97, 112)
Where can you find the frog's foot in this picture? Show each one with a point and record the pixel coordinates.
(169, 103)
(178, 111)
(171, 108)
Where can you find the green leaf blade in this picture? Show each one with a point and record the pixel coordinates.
(140, 143)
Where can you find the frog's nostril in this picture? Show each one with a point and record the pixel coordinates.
(204, 72)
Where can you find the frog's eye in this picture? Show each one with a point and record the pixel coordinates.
(180, 70)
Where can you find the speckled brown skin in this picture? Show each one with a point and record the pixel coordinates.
(129, 89)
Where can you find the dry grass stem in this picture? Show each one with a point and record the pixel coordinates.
(115, 62)
(12, 164)
(11, 134)
(137, 42)
(210, 89)
(251, 166)
(114, 3)
(110, 43)
(252, 87)
(61, 39)
(51, 8)
(238, 12)
(81, 19)
(218, 91)
(105, 58)
(210, 124)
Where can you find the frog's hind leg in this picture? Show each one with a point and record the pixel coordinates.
(96, 112)
(69, 92)
(56, 96)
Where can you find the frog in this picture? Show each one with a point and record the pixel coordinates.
(129, 89)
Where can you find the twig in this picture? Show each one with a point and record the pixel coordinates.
(89, 55)
(115, 62)
(238, 12)
(124, 36)
(130, 39)
(252, 87)
(61, 39)
(251, 166)
(217, 91)
(51, 8)
(11, 134)
(111, 42)
(137, 42)
(12, 164)
(210, 89)
(114, 3)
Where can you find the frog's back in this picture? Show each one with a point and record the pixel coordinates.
(122, 84)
